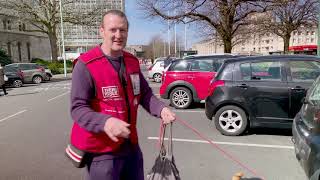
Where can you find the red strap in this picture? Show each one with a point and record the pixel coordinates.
(227, 154)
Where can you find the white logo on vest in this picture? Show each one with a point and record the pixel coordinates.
(110, 92)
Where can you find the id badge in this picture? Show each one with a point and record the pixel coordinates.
(135, 80)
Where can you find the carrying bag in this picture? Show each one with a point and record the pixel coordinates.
(77, 156)
(164, 167)
(5, 78)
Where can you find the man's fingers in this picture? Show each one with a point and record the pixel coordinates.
(125, 124)
(112, 137)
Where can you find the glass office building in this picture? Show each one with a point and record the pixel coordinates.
(79, 38)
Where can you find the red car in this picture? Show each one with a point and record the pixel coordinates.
(187, 80)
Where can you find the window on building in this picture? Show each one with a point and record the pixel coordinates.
(9, 25)
(9, 48)
(312, 40)
(28, 51)
(307, 33)
(312, 32)
(4, 22)
(19, 51)
(24, 27)
(20, 27)
(299, 33)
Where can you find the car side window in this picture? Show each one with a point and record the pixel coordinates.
(315, 93)
(24, 66)
(202, 65)
(180, 66)
(304, 70)
(268, 71)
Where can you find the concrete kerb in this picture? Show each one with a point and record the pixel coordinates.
(60, 77)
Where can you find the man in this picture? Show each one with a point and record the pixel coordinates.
(2, 80)
(107, 87)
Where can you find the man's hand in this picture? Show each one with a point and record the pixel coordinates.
(115, 127)
(167, 115)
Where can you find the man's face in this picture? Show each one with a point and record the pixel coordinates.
(114, 32)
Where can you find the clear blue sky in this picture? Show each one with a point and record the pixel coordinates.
(141, 30)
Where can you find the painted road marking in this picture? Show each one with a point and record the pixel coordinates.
(8, 117)
(227, 143)
(58, 96)
(189, 111)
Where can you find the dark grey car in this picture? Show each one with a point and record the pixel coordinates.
(306, 132)
(31, 72)
(264, 91)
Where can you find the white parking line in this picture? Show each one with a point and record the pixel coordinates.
(6, 118)
(227, 143)
(58, 96)
(190, 111)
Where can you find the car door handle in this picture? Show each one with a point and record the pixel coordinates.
(298, 88)
(191, 77)
(242, 86)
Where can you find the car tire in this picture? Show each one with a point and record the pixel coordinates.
(181, 98)
(157, 77)
(231, 120)
(17, 83)
(48, 77)
(37, 79)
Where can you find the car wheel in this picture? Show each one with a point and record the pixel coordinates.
(37, 79)
(181, 98)
(157, 77)
(48, 77)
(17, 83)
(231, 120)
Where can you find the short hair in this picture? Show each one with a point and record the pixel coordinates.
(117, 13)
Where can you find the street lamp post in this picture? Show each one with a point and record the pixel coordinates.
(62, 40)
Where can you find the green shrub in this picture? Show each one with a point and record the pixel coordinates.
(4, 58)
(55, 67)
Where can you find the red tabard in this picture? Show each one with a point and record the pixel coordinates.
(109, 99)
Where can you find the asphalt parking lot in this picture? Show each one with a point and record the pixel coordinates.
(35, 124)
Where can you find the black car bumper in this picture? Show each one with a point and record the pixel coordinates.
(210, 108)
(301, 147)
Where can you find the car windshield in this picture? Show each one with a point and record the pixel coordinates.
(315, 91)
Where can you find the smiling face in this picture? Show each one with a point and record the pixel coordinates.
(114, 32)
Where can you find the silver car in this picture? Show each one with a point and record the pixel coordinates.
(31, 72)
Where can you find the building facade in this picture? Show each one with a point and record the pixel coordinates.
(303, 40)
(78, 38)
(21, 45)
(137, 50)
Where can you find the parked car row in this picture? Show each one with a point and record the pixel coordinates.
(155, 71)
(20, 73)
(240, 93)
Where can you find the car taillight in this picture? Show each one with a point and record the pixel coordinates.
(41, 69)
(163, 76)
(213, 85)
(316, 117)
(20, 74)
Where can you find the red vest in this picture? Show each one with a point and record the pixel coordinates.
(109, 99)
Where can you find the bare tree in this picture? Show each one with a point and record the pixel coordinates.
(225, 17)
(286, 16)
(44, 15)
